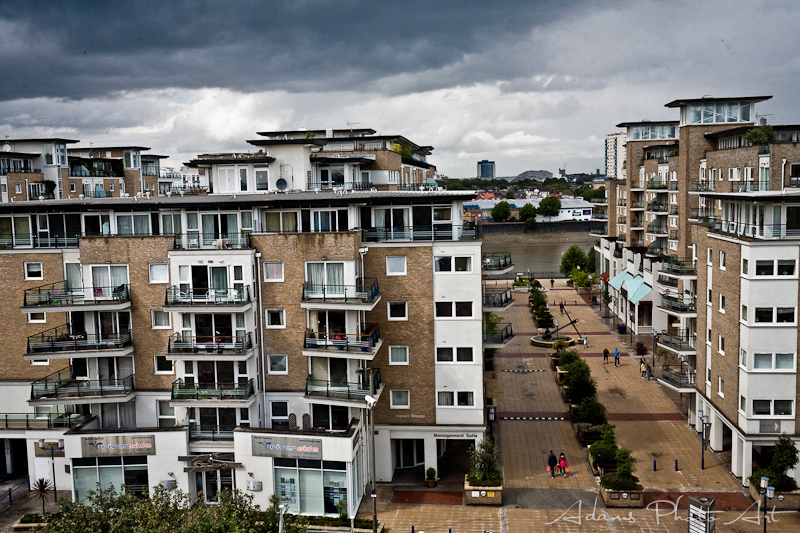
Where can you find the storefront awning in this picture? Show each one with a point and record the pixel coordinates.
(637, 289)
(619, 279)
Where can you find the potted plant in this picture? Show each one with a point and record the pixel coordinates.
(210, 346)
(340, 340)
(430, 477)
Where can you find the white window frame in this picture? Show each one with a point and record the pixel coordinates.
(720, 387)
(453, 315)
(160, 417)
(772, 368)
(393, 405)
(720, 344)
(722, 303)
(41, 270)
(278, 418)
(267, 325)
(405, 265)
(772, 409)
(455, 360)
(455, 399)
(389, 316)
(150, 273)
(722, 260)
(163, 372)
(32, 320)
(273, 280)
(153, 319)
(405, 348)
(40, 362)
(453, 264)
(277, 372)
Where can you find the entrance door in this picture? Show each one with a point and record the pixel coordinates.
(409, 452)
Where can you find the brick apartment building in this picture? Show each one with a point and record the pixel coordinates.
(702, 252)
(249, 322)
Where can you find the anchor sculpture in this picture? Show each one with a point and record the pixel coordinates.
(549, 334)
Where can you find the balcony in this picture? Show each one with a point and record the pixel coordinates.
(622, 203)
(362, 346)
(184, 347)
(599, 216)
(63, 343)
(703, 186)
(637, 185)
(66, 388)
(342, 390)
(233, 299)
(681, 267)
(668, 281)
(497, 298)
(618, 253)
(637, 224)
(498, 338)
(600, 201)
(328, 185)
(637, 206)
(207, 432)
(636, 243)
(45, 421)
(657, 185)
(657, 228)
(749, 186)
(212, 392)
(656, 249)
(657, 207)
(438, 232)
(679, 305)
(496, 264)
(59, 297)
(681, 378)
(364, 295)
(754, 231)
(211, 241)
(680, 341)
(673, 186)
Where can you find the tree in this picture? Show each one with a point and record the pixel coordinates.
(578, 381)
(501, 211)
(453, 185)
(42, 487)
(591, 411)
(761, 135)
(484, 471)
(512, 193)
(549, 207)
(572, 258)
(784, 455)
(527, 211)
(589, 265)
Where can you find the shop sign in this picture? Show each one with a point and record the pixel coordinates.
(287, 447)
(456, 435)
(118, 445)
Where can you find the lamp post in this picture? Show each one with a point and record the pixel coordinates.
(52, 450)
(655, 336)
(630, 316)
(769, 492)
(703, 420)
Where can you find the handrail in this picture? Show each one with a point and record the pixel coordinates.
(213, 296)
(326, 185)
(50, 387)
(63, 339)
(436, 232)
(676, 375)
(679, 304)
(212, 391)
(219, 241)
(497, 297)
(48, 420)
(179, 343)
(59, 294)
(344, 390)
(496, 261)
(364, 292)
(210, 432)
(683, 339)
(501, 335)
(351, 342)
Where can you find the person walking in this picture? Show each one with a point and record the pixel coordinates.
(605, 356)
(643, 368)
(563, 464)
(616, 357)
(552, 282)
(649, 373)
(552, 462)
(601, 464)
(561, 306)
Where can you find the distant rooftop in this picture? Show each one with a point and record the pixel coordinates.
(709, 98)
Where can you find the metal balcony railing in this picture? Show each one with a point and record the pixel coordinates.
(657, 228)
(48, 420)
(703, 186)
(497, 297)
(656, 249)
(680, 376)
(342, 390)
(327, 185)
(503, 333)
(497, 261)
(679, 266)
(668, 281)
(673, 186)
(204, 297)
(437, 232)
(683, 340)
(637, 205)
(682, 305)
(749, 186)
(63, 384)
(63, 339)
(657, 184)
(212, 391)
(599, 216)
(209, 432)
(755, 231)
(365, 291)
(58, 294)
(657, 207)
(212, 241)
(348, 342)
(179, 343)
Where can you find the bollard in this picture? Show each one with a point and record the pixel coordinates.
(676, 465)
(654, 465)
(412, 529)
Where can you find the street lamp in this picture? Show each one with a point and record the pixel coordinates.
(52, 450)
(371, 402)
(655, 336)
(704, 421)
(769, 492)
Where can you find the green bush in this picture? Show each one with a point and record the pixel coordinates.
(761, 135)
(566, 357)
(484, 471)
(578, 381)
(580, 278)
(560, 345)
(607, 445)
(535, 284)
(612, 481)
(591, 411)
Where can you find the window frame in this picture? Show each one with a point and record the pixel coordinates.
(267, 324)
(393, 405)
(156, 371)
(27, 274)
(153, 319)
(279, 418)
(277, 372)
(150, 273)
(720, 386)
(722, 260)
(771, 413)
(455, 394)
(722, 303)
(43, 320)
(405, 265)
(399, 363)
(160, 417)
(389, 316)
(455, 360)
(720, 344)
(273, 280)
(454, 310)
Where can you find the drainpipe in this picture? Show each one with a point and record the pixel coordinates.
(783, 169)
(27, 193)
(261, 345)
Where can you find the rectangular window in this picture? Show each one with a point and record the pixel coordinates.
(445, 399)
(166, 414)
(762, 361)
(37, 318)
(786, 267)
(710, 259)
(784, 361)
(160, 319)
(444, 309)
(398, 311)
(744, 313)
(722, 303)
(444, 355)
(279, 414)
(742, 404)
(243, 179)
(18, 188)
(396, 265)
(262, 179)
(398, 355)
(273, 271)
(159, 273)
(783, 408)
(455, 398)
(721, 260)
(71, 187)
(721, 387)
(442, 264)
(464, 355)
(743, 358)
(463, 264)
(762, 407)
(763, 315)
(465, 398)
(785, 315)
(721, 348)
(765, 268)
(162, 365)
(744, 267)
(464, 309)
(276, 318)
(277, 364)
(400, 399)
(33, 270)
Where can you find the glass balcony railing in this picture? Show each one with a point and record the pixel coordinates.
(327, 185)
(209, 432)
(43, 421)
(365, 291)
(679, 266)
(680, 376)
(179, 343)
(682, 340)
(637, 205)
(205, 296)
(668, 281)
(755, 231)
(502, 334)
(703, 186)
(342, 390)
(59, 294)
(749, 186)
(212, 241)
(657, 207)
(498, 297)
(63, 339)
(437, 232)
(212, 391)
(497, 261)
(657, 229)
(348, 342)
(657, 184)
(63, 384)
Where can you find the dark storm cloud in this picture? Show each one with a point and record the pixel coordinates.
(82, 49)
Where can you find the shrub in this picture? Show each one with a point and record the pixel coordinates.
(566, 357)
(484, 470)
(591, 411)
(560, 345)
(535, 284)
(571, 259)
(641, 349)
(761, 135)
(607, 445)
(612, 481)
(578, 381)
(430, 473)
(580, 278)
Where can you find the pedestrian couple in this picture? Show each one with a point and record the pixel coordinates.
(559, 464)
(616, 356)
(647, 372)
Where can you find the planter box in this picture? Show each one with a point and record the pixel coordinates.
(588, 437)
(791, 500)
(482, 495)
(553, 362)
(27, 527)
(611, 465)
(560, 375)
(622, 498)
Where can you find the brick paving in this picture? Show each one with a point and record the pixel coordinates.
(398, 518)
(428, 497)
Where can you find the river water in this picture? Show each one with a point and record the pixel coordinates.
(542, 257)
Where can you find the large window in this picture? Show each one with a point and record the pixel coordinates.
(398, 355)
(773, 407)
(395, 265)
(447, 263)
(166, 414)
(262, 178)
(398, 310)
(454, 354)
(273, 271)
(33, 270)
(453, 309)
(773, 361)
(279, 414)
(159, 273)
(311, 487)
(455, 398)
(719, 113)
(400, 399)
(277, 364)
(87, 473)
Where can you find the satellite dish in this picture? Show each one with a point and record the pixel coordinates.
(281, 184)
(6, 147)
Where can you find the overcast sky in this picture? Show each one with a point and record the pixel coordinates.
(529, 84)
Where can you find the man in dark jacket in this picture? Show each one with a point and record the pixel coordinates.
(601, 464)
(551, 462)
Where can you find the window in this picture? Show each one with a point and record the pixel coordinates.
(160, 319)
(785, 315)
(721, 387)
(455, 398)
(709, 259)
(262, 178)
(111, 186)
(721, 347)
(452, 263)
(166, 414)
(721, 303)
(162, 365)
(782, 407)
(71, 187)
(398, 355)
(443, 309)
(464, 354)
(453, 309)
(786, 267)
(765, 268)
(400, 399)
(37, 318)
(33, 270)
(398, 310)
(763, 314)
(762, 407)
(743, 404)
(273, 271)
(276, 318)
(778, 361)
(773, 407)
(396, 265)
(279, 414)
(744, 267)
(762, 361)
(743, 358)
(744, 313)
(721, 260)
(18, 188)
(277, 364)
(465, 398)
(709, 299)
(159, 273)
(464, 309)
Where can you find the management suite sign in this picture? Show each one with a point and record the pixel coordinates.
(118, 445)
(287, 447)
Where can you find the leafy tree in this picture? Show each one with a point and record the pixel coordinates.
(549, 207)
(761, 135)
(501, 211)
(589, 265)
(580, 278)
(591, 411)
(784, 455)
(578, 381)
(607, 445)
(606, 296)
(512, 193)
(41, 488)
(528, 211)
(453, 185)
(484, 470)
(572, 258)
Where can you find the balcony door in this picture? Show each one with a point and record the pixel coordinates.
(105, 278)
(220, 373)
(330, 369)
(327, 323)
(325, 280)
(214, 328)
(109, 325)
